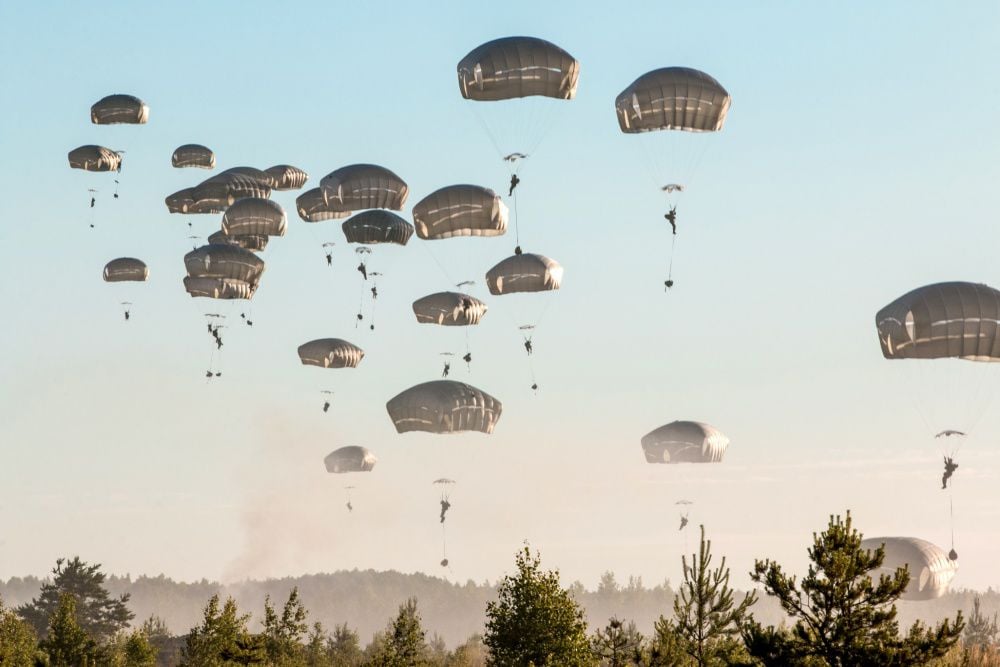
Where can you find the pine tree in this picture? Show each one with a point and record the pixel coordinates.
(222, 638)
(344, 647)
(99, 615)
(405, 643)
(283, 635)
(18, 642)
(66, 643)
(843, 618)
(980, 631)
(618, 644)
(315, 652)
(704, 614)
(534, 621)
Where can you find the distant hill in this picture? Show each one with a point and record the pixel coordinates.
(367, 600)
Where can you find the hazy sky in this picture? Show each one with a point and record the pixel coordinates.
(859, 161)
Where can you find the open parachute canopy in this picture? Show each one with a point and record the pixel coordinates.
(361, 186)
(254, 217)
(222, 272)
(228, 187)
(313, 207)
(930, 568)
(286, 177)
(460, 210)
(250, 242)
(944, 320)
(377, 226)
(684, 442)
(330, 353)
(513, 67)
(350, 459)
(126, 269)
(183, 201)
(444, 406)
(95, 158)
(673, 98)
(450, 309)
(119, 109)
(193, 155)
(524, 273)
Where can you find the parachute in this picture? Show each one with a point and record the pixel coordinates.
(254, 217)
(930, 568)
(524, 273)
(377, 226)
(444, 406)
(330, 353)
(224, 189)
(118, 109)
(193, 155)
(126, 269)
(250, 242)
(946, 320)
(286, 177)
(449, 309)
(350, 459)
(460, 210)
(684, 442)
(95, 158)
(513, 67)
(183, 201)
(673, 98)
(313, 207)
(222, 272)
(673, 104)
(362, 186)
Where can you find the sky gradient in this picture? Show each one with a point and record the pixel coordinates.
(858, 161)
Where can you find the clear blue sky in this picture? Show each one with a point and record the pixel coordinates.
(859, 161)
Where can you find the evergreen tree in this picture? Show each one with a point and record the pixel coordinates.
(470, 654)
(981, 631)
(66, 643)
(283, 634)
(344, 647)
(667, 646)
(99, 615)
(222, 638)
(534, 621)
(843, 618)
(704, 614)
(18, 642)
(315, 652)
(404, 643)
(618, 644)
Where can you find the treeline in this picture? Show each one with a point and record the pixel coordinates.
(837, 614)
(365, 598)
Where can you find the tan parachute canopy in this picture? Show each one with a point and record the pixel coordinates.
(684, 442)
(444, 406)
(360, 186)
(330, 353)
(513, 67)
(312, 207)
(287, 177)
(673, 98)
(960, 320)
(250, 242)
(183, 201)
(223, 189)
(254, 217)
(350, 459)
(222, 272)
(460, 210)
(193, 155)
(930, 569)
(125, 269)
(94, 158)
(524, 273)
(117, 109)
(377, 226)
(449, 309)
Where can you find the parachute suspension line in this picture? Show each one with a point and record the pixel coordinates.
(441, 266)
(670, 265)
(444, 542)
(951, 508)
(517, 230)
